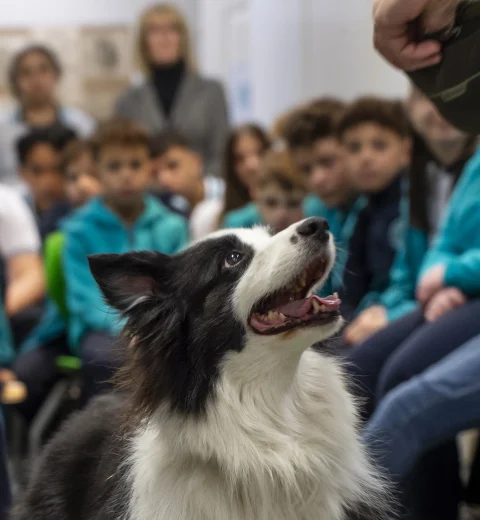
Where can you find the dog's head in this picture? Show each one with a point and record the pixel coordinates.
(232, 291)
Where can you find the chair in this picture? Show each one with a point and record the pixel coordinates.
(68, 387)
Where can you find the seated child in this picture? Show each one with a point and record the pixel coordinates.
(35, 365)
(439, 154)
(448, 293)
(173, 201)
(80, 183)
(304, 130)
(310, 133)
(123, 219)
(244, 150)
(178, 170)
(375, 134)
(280, 191)
(39, 154)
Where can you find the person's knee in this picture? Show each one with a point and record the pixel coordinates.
(34, 365)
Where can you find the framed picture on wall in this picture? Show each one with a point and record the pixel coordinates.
(11, 41)
(106, 55)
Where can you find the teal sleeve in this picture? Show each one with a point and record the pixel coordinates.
(228, 222)
(463, 272)
(370, 299)
(441, 250)
(182, 235)
(399, 299)
(50, 327)
(462, 269)
(86, 306)
(444, 248)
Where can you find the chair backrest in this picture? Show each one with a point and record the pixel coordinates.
(53, 253)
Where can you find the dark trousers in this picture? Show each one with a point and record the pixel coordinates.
(38, 370)
(404, 349)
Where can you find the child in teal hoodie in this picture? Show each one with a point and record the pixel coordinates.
(439, 154)
(155, 228)
(123, 219)
(448, 292)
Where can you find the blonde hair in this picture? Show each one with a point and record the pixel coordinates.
(186, 51)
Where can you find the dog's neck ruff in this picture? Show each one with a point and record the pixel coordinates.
(277, 443)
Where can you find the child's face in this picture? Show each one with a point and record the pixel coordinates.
(36, 79)
(247, 152)
(374, 156)
(278, 207)
(303, 159)
(42, 174)
(81, 180)
(125, 174)
(328, 176)
(179, 171)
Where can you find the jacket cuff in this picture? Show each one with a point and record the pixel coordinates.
(453, 275)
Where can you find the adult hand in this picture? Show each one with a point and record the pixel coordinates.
(444, 301)
(367, 323)
(431, 283)
(393, 36)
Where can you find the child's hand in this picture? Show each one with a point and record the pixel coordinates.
(431, 283)
(6, 375)
(367, 323)
(444, 301)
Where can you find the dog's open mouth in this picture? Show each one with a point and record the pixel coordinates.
(290, 307)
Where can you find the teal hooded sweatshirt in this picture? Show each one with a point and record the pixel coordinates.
(399, 298)
(457, 245)
(96, 229)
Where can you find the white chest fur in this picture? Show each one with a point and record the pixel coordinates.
(275, 452)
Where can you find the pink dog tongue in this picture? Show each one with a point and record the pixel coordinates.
(299, 308)
(296, 309)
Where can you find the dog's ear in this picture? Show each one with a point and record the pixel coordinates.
(130, 278)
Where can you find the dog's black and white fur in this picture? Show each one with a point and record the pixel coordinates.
(220, 423)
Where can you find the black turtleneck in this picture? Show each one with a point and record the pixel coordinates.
(166, 80)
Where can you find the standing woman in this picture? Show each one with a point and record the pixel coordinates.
(174, 95)
(34, 75)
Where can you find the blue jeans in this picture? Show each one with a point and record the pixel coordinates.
(423, 415)
(406, 348)
(427, 410)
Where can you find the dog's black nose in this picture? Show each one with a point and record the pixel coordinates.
(315, 227)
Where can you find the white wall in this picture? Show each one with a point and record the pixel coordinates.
(299, 49)
(339, 57)
(75, 12)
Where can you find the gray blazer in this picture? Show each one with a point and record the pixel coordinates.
(199, 112)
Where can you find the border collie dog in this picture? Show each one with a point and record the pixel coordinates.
(226, 413)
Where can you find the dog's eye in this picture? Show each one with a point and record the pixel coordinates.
(232, 259)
